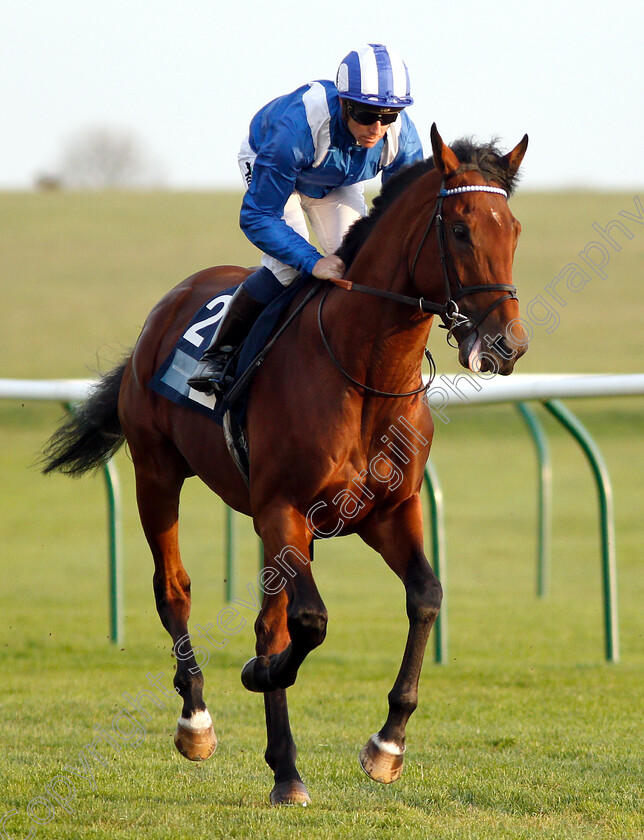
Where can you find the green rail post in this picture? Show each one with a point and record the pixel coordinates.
(607, 522)
(115, 571)
(439, 557)
(115, 548)
(544, 500)
(229, 580)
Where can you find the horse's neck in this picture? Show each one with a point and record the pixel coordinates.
(380, 341)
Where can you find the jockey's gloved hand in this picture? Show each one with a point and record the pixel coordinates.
(329, 268)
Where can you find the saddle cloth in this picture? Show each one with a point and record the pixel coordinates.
(171, 379)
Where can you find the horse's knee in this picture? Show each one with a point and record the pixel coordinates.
(262, 631)
(424, 600)
(172, 596)
(307, 627)
(271, 635)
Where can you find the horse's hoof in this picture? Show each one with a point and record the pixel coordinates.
(195, 737)
(290, 793)
(381, 760)
(248, 677)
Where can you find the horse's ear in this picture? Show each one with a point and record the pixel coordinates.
(512, 161)
(444, 158)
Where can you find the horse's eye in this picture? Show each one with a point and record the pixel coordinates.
(461, 232)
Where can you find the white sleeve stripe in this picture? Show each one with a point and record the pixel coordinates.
(392, 144)
(319, 120)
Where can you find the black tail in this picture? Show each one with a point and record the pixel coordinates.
(91, 434)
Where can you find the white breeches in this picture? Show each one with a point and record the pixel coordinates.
(330, 217)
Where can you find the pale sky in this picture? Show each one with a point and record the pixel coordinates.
(186, 77)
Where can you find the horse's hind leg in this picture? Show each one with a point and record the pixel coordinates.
(399, 538)
(159, 478)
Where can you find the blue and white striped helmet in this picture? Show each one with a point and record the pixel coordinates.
(374, 75)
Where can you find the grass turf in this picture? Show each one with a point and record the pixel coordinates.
(525, 733)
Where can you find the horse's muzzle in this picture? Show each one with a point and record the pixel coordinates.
(470, 352)
(490, 356)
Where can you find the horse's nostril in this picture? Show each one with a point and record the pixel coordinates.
(504, 348)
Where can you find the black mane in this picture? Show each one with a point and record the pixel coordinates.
(481, 157)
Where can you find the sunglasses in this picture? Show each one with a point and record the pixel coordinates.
(365, 116)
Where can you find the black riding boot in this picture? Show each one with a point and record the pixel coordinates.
(242, 313)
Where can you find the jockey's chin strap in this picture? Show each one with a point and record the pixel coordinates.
(449, 311)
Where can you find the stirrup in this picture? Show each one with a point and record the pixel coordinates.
(210, 375)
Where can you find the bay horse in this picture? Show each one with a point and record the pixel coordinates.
(337, 427)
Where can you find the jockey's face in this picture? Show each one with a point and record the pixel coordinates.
(368, 125)
(366, 135)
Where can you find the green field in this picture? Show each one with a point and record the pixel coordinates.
(525, 733)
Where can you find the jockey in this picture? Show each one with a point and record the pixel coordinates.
(309, 152)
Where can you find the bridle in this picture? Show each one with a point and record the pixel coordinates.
(449, 311)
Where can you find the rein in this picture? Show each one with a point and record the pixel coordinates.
(449, 311)
(373, 391)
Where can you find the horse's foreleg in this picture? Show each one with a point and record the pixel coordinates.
(291, 623)
(158, 492)
(399, 538)
(288, 570)
(281, 753)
